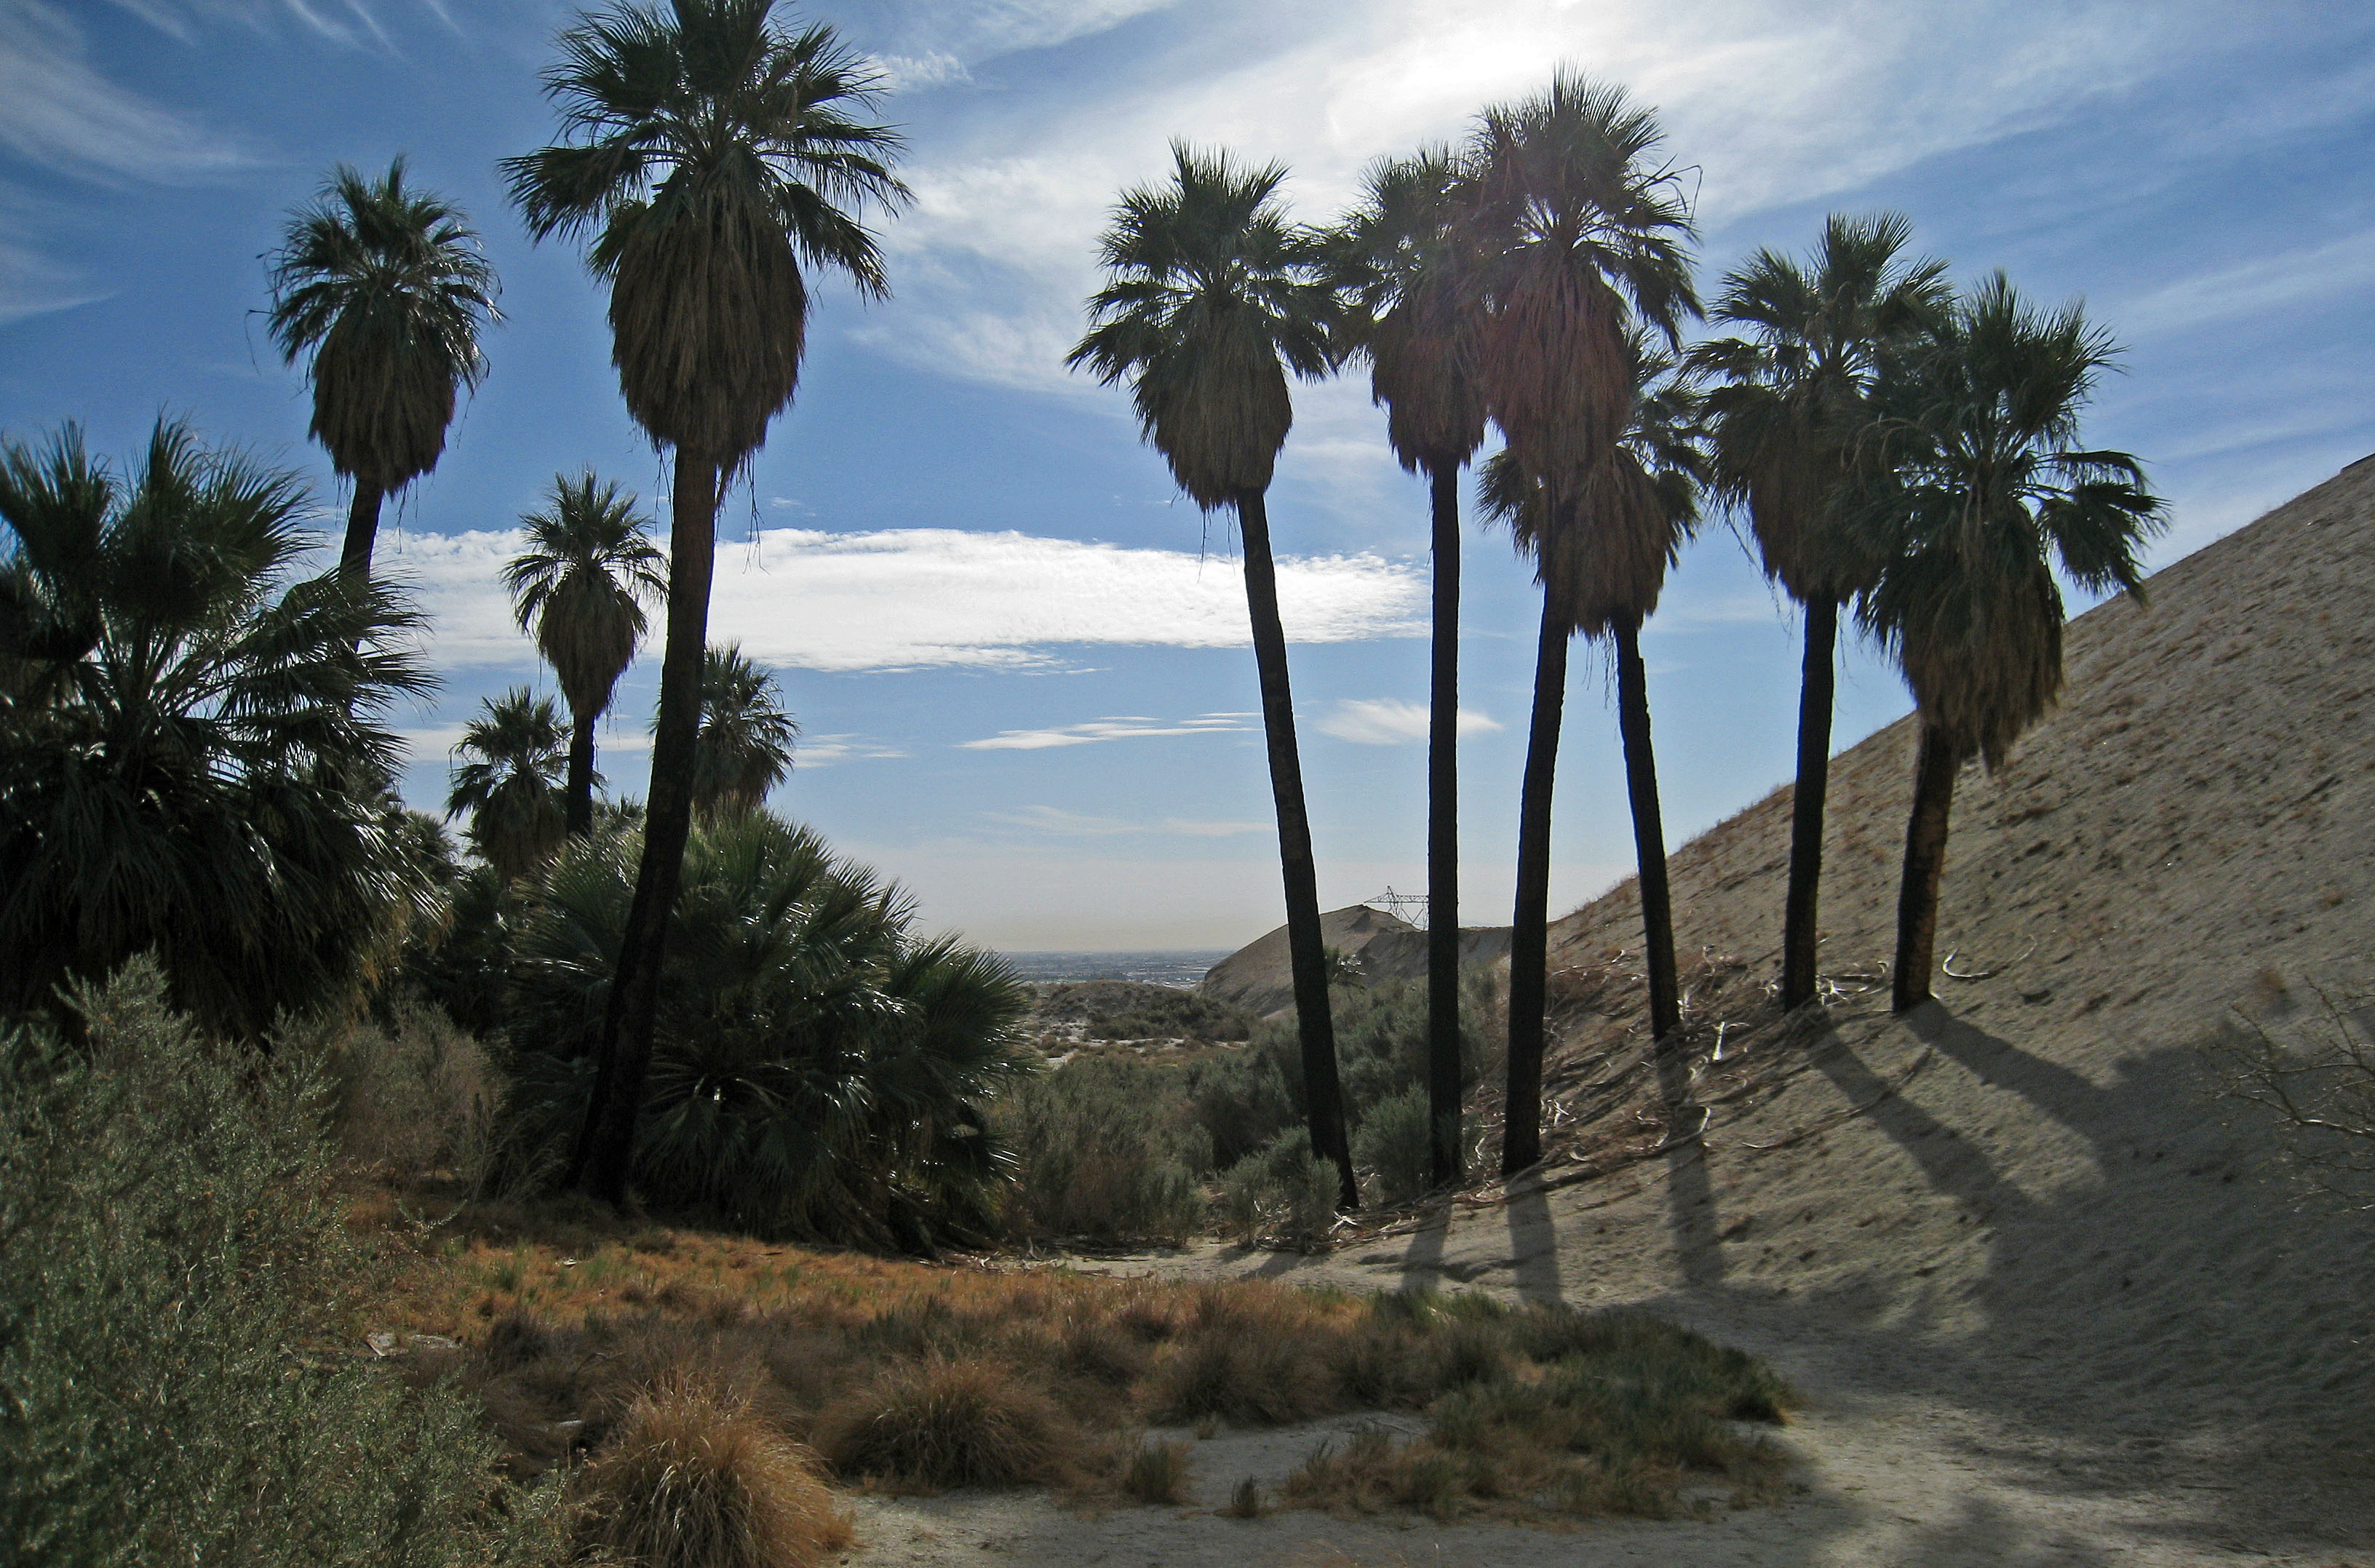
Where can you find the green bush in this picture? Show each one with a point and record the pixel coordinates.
(174, 1381)
(1392, 1146)
(1282, 1190)
(1103, 1151)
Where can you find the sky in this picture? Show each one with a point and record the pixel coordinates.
(1018, 656)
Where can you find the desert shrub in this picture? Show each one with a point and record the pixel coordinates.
(693, 1479)
(819, 1070)
(2303, 1082)
(1102, 1151)
(1393, 1145)
(949, 1421)
(171, 1262)
(411, 1093)
(1157, 1473)
(1282, 1190)
(1122, 1010)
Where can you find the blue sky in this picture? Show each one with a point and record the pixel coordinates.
(1017, 654)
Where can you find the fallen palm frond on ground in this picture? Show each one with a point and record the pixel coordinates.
(909, 1377)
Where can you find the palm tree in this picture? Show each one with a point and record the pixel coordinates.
(1574, 233)
(1792, 403)
(745, 746)
(193, 740)
(511, 784)
(385, 288)
(1213, 296)
(1417, 324)
(1605, 568)
(579, 584)
(1985, 481)
(710, 157)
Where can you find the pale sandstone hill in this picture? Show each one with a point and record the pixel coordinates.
(1258, 976)
(2031, 1277)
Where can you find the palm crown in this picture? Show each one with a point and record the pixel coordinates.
(710, 154)
(386, 287)
(745, 747)
(510, 782)
(1397, 259)
(1985, 480)
(580, 584)
(1214, 295)
(1793, 393)
(1570, 223)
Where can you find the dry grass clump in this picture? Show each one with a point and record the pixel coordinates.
(693, 1479)
(1157, 1473)
(917, 1378)
(935, 1423)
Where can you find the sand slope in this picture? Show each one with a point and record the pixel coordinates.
(2048, 1308)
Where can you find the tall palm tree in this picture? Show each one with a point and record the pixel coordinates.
(710, 156)
(1213, 296)
(510, 782)
(193, 739)
(386, 289)
(1986, 490)
(1791, 402)
(1417, 324)
(1605, 568)
(1575, 233)
(579, 584)
(746, 738)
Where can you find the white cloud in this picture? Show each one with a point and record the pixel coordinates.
(1129, 728)
(1076, 824)
(56, 111)
(1387, 721)
(914, 597)
(908, 73)
(830, 750)
(1765, 104)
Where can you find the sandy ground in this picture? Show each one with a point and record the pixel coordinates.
(2045, 1307)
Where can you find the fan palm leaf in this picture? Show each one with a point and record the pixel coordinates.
(509, 781)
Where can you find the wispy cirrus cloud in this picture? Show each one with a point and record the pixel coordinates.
(1076, 824)
(1128, 727)
(913, 598)
(1389, 720)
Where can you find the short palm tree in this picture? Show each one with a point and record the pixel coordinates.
(710, 156)
(1791, 402)
(1213, 297)
(579, 584)
(386, 289)
(1417, 324)
(1575, 233)
(746, 735)
(509, 781)
(1986, 490)
(194, 745)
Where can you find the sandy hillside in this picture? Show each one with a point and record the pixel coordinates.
(2045, 1308)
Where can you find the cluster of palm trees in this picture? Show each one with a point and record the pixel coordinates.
(1894, 448)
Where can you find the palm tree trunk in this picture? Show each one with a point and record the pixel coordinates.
(363, 528)
(1521, 1131)
(1443, 837)
(606, 1144)
(1799, 935)
(1321, 1092)
(580, 800)
(1925, 865)
(1649, 832)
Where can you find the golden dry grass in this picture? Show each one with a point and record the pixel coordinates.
(907, 1376)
